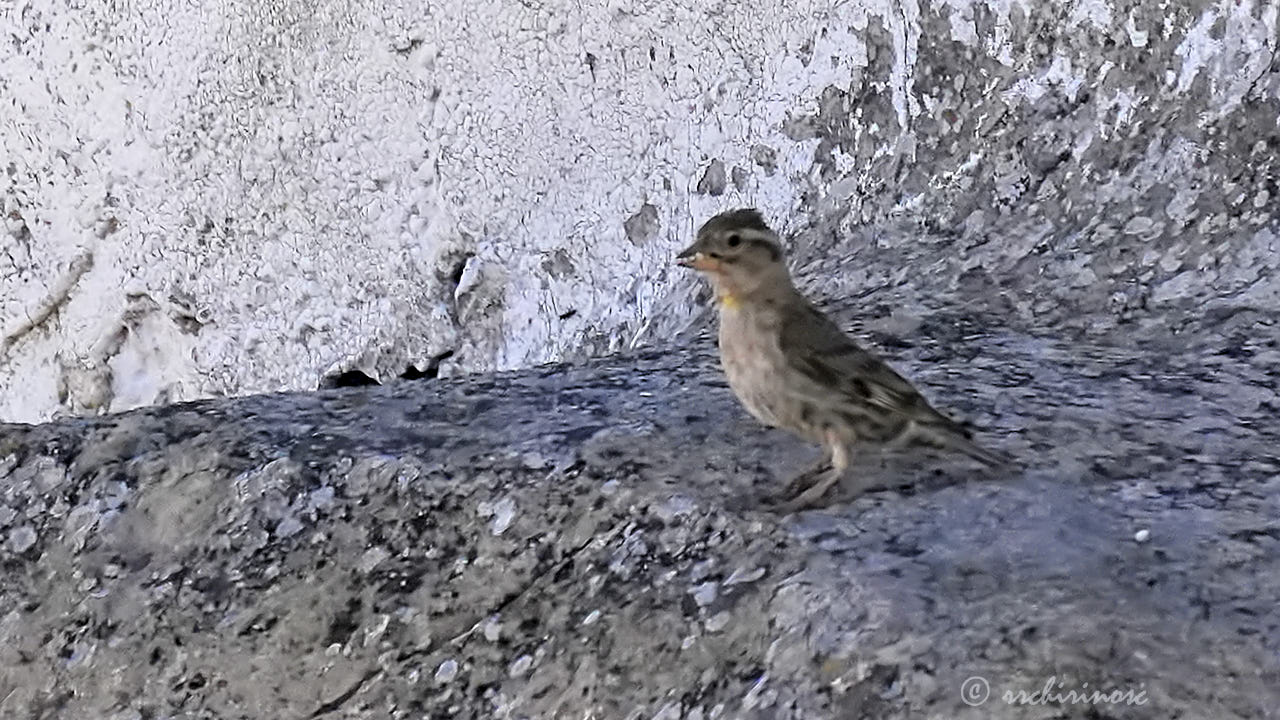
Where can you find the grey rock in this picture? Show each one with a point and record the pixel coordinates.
(521, 666)
(704, 594)
(185, 599)
(766, 157)
(22, 538)
(643, 226)
(447, 671)
(714, 179)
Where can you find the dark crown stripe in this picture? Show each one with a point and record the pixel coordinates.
(741, 219)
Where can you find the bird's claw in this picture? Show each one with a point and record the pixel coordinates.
(786, 507)
(804, 480)
(789, 502)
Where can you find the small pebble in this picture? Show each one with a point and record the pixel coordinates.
(1142, 535)
(704, 594)
(447, 671)
(502, 511)
(372, 558)
(22, 538)
(321, 498)
(521, 666)
(744, 576)
(718, 622)
(702, 570)
(535, 461)
(288, 527)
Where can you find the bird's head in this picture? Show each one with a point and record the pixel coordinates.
(738, 253)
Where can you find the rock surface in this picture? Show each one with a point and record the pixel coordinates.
(579, 542)
(230, 197)
(1060, 221)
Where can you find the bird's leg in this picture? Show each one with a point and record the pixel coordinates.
(904, 437)
(840, 457)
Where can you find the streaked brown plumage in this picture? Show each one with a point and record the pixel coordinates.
(793, 368)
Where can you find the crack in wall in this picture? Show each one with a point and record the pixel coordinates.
(57, 297)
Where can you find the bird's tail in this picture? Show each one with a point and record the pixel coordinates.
(990, 458)
(957, 438)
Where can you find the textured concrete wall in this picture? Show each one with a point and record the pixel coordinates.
(230, 197)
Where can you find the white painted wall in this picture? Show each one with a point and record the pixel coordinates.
(234, 196)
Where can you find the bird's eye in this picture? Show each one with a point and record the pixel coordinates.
(735, 240)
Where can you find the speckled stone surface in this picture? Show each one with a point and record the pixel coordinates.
(579, 542)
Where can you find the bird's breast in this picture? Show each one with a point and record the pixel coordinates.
(752, 360)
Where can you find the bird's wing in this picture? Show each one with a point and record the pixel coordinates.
(817, 348)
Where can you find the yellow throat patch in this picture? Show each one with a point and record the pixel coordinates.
(729, 302)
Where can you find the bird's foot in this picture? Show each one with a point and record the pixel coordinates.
(805, 479)
(809, 499)
(796, 486)
(809, 495)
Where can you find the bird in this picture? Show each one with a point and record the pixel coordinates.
(793, 368)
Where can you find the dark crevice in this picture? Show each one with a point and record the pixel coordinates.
(430, 372)
(346, 695)
(413, 373)
(456, 274)
(344, 623)
(349, 378)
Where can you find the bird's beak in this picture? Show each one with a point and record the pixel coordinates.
(697, 260)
